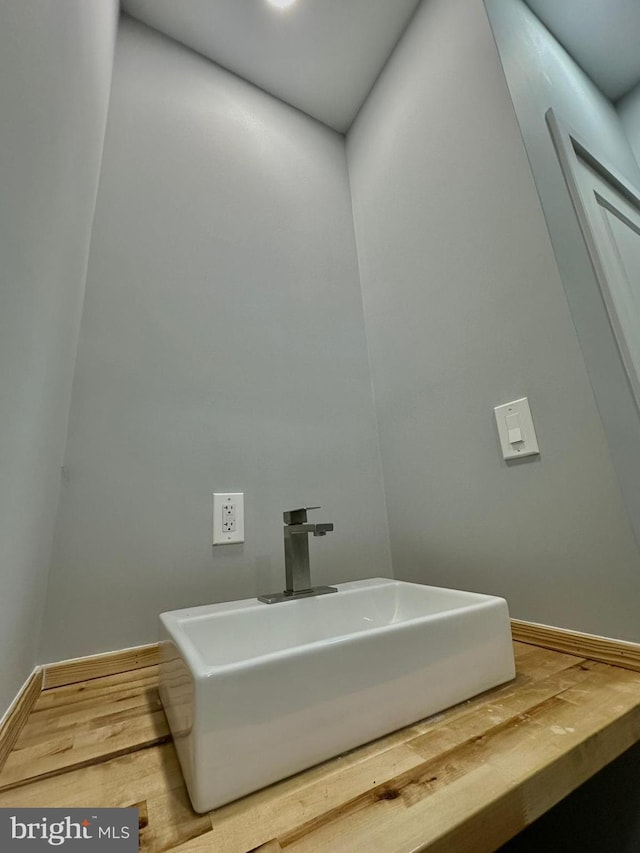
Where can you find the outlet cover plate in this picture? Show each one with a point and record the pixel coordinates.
(228, 512)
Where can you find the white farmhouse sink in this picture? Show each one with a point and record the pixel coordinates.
(255, 692)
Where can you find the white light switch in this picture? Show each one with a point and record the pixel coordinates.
(515, 428)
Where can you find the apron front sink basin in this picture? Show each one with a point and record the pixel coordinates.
(254, 692)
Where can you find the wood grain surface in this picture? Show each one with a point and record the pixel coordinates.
(465, 780)
(86, 723)
(111, 663)
(604, 649)
(19, 714)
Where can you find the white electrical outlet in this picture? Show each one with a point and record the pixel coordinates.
(228, 518)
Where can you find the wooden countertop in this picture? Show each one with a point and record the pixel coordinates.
(465, 780)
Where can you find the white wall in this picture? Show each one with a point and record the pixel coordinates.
(222, 347)
(540, 75)
(629, 113)
(465, 309)
(55, 72)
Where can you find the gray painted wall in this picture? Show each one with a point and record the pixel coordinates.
(465, 309)
(541, 75)
(55, 73)
(222, 347)
(629, 113)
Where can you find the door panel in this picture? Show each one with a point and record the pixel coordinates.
(608, 209)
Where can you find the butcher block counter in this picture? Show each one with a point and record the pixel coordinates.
(467, 779)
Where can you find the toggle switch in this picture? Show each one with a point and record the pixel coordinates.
(514, 431)
(515, 428)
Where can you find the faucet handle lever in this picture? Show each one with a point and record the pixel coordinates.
(297, 516)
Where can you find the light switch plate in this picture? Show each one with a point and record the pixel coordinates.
(515, 422)
(228, 518)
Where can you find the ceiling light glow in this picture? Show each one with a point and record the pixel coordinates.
(281, 4)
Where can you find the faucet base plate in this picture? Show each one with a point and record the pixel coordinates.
(277, 597)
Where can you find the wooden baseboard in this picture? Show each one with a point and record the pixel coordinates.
(17, 716)
(111, 663)
(604, 649)
(616, 652)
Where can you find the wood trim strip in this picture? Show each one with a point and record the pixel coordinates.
(111, 663)
(604, 649)
(19, 713)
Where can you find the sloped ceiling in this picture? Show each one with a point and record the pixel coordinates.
(321, 56)
(603, 36)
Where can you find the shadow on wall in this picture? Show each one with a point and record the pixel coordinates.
(601, 815)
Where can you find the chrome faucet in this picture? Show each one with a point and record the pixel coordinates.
(296, 557)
